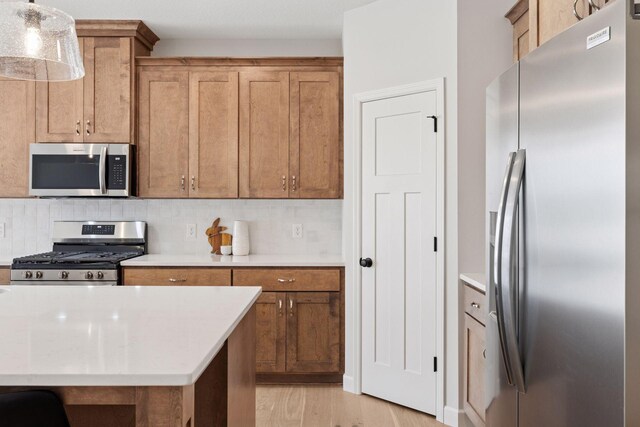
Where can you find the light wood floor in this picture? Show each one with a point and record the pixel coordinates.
(330, 406)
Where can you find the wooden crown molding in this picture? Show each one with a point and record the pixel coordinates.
(215, 61)
(117, 28)
(517, 11)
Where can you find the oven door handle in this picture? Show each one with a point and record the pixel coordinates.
(102, 170)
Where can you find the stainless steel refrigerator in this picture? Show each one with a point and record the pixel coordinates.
(563, 230)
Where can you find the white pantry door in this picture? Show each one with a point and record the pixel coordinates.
(399, 170)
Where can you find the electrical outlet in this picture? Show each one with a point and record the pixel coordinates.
(296, 232)
(191, 232)
(2, 230)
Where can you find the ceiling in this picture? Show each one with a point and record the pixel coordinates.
(222, 19)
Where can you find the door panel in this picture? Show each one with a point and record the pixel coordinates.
(313, 332)
(575, 226)
(316, 140)
(398, 227)
(271, 332)
(264, 134)
(107, 90)
(59, 110)
(474, 368)
(213, 134)
(163, 134)
(502, 138)
(17, 131)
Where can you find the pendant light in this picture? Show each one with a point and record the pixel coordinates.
(38, 43)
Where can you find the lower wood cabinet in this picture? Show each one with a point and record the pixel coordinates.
(136, 276)
(300, 323)
(5, 276)
(474, 356)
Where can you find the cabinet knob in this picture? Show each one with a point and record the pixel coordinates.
(475, 305)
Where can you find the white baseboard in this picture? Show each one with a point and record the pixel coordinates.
(348, 384)
(453, 416)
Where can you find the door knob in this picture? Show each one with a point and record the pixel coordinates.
(366, 262)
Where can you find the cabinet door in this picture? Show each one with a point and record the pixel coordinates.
(213, 134)
(59, 110)
(313, 332)
(163, 146)
(474, 355)
(17, 131)
(270, 332)
(550, 17)
(264, 134)
(315, 154)
(107, 90)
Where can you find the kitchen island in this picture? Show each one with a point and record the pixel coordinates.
(134, 356)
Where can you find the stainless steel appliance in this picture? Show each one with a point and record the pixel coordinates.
(563, 230)
(84, 253)
(99, 170)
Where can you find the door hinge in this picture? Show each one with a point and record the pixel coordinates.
(435, 244)
(435, 122)
(435, 364)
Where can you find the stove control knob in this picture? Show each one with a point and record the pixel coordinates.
(100, 275)
(63, 275)
(28, 275)
(38, 274)
(89, 275)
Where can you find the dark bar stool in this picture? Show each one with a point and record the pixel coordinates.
(32, 409)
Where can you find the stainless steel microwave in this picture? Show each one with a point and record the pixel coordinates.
(83, 170)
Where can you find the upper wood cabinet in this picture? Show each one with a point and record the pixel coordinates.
(257, 128)
(264, 134)
(188, 134)
(163, 135)
(17, 131)
(213, 134)
(537, 21)
(315, 144)
(99, 107)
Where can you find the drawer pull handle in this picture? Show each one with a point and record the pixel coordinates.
(484, 353)
(172, 280)
(475, 305)
(286, 280)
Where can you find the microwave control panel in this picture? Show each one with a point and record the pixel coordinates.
(117, 172)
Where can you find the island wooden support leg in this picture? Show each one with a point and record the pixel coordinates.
(165, 406)
(242, 373)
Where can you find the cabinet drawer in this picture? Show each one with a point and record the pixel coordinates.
(280, 280)
(474, 304)
(177, 277)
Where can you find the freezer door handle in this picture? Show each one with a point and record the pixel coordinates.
(509, 269)
(497, 267)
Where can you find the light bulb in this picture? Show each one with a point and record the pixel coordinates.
(33, 41)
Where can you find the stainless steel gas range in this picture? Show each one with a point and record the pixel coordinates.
(84, 253)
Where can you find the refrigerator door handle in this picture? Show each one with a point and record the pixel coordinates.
(497, 267)
(509, 269)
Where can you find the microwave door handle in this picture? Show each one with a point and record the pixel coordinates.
(102, 170)
(509, 270)
(497, 267)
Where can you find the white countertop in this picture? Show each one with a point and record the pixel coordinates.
(167, 260)
(477, 280)
(6, 262)
(115, 336)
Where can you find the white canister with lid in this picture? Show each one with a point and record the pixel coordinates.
(240, 242)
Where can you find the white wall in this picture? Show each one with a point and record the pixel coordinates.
(485, 50)
(248, 47)
(28, 223)
(391, 43)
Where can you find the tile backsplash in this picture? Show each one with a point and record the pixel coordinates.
(28, 223)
